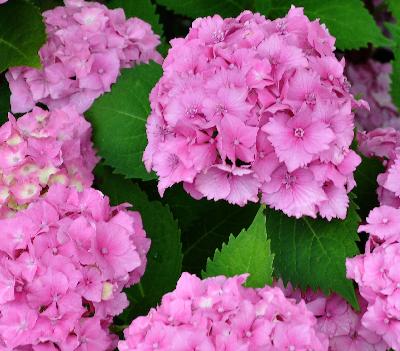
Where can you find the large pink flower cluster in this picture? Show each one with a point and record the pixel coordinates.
(64, 262)
(220, 314)
(42, 148)
(377, 273)
(337, 320)
(371, 81)
(385, 144)
(87, 46)
(248, 105)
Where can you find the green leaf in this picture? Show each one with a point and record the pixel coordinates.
(394, 8)
(312, 252)
(4, 99)
(22, 34)
(202, 8)
(249, 252)
(119, 120)
(45, 5)
(164, 264)
(142, 9)
(205, 224)
(395, 76)
(348, 20)
(366, 179)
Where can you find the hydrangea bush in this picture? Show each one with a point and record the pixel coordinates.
(220, 314)
(64, 263)
(337, 320)
(249, 106)
(87, 46)
(43, 148)
(195, 176)
(371, 80)
(384, 143)
(376, 273)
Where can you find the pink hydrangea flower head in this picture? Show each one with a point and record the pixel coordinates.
(64, 263)
(42, 148)
(220, 314)
(248, 109)
(371, 81)
(377, 273)
(337, 320)
(384, 143)
(88, 44)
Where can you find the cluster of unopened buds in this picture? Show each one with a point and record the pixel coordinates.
(384, 143)
(64, 263)
(371, 81)
(248, 105)
(87, 46)
(42, 148)
(377, 273)
(220, 314)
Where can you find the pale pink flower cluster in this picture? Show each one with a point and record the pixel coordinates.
(87, 46)
(385, 144)
(337, 320)
(371, 81)
(64, 262)
(377, 273)
(220, 314)
(248, 105)
(3, 1)
(42, 148)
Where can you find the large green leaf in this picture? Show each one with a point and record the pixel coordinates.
(22, 34)
(202, 8)
(45, 5)
(165, 256)
(395, 85)
(394, 7)
(4, 99)
(249, 252)
(205, 224)
(366, 179)
(119, 120)
(142, 9)
(312, 252)
(347, 20)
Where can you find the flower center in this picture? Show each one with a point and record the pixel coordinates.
(192, 111)
(173, 161)
(299, 132)
(311, 99)
(104, 251)
(281, 27)
(346, 84)
(221, 109)
(289, 180)
(218, 36)
(273, 61)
